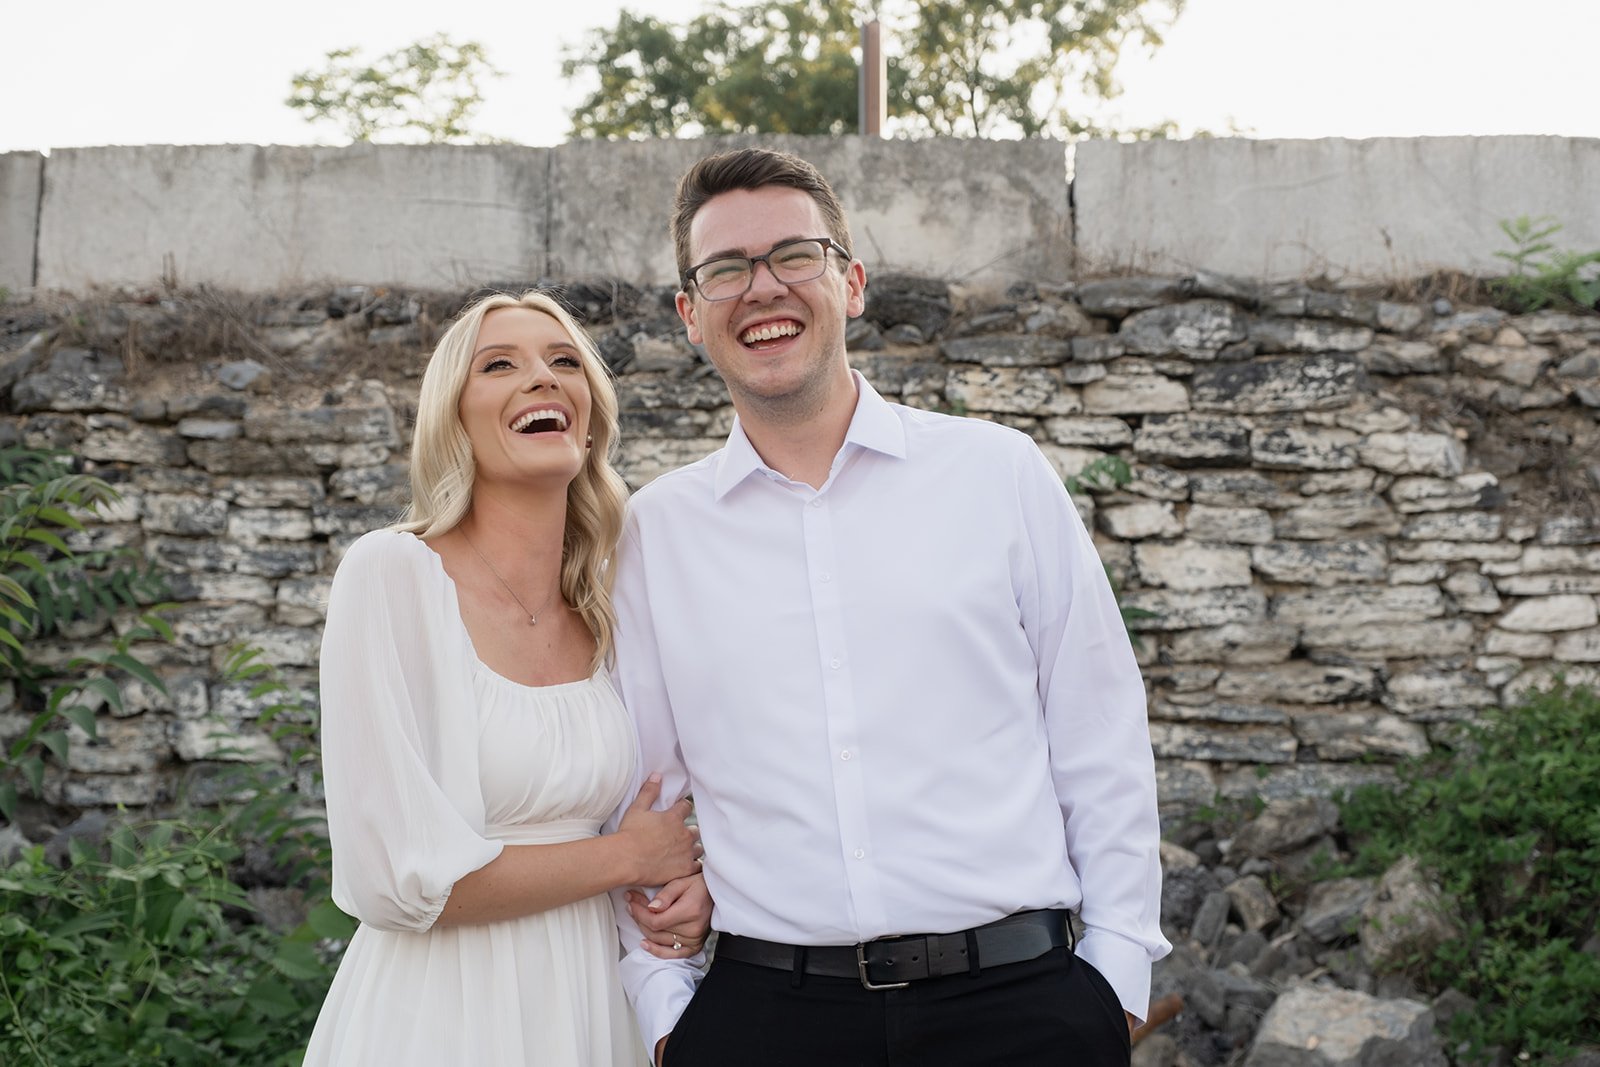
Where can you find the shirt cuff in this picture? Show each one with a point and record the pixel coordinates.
(1125, 965)
(661, 990)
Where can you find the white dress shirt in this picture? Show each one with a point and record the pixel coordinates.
(904, 702)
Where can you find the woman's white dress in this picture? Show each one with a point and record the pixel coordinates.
(432, 764)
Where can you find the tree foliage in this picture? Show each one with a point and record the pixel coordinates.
(426, 92)
(956, 67)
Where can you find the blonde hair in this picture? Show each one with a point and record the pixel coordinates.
(442, 467)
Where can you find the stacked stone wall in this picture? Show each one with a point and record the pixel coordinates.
(1353, 521)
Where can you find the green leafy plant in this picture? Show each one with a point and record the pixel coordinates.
(137, 954)
(44, 585)
(1509, 824)
(1544, 275)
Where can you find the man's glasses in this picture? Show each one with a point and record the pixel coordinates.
(792, 262)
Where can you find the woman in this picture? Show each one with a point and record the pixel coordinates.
(472, 742)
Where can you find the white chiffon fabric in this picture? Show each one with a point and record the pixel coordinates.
(432, 764)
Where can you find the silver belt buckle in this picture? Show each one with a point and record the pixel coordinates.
(861, 968)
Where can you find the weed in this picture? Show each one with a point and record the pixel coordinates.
(1544, 275)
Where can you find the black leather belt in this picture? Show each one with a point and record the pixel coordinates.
(894, 962)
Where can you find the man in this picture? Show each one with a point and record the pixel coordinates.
(877, 646)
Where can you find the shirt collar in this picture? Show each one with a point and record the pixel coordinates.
(874, 426)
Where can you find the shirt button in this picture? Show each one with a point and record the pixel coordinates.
(861, 853)
(824, 577)
(845, 754)
(817, 503)
(834, 664)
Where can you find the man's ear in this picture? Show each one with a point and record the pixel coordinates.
(855, 278)
(686, 312)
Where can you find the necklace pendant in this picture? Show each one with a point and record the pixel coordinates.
(533, 620)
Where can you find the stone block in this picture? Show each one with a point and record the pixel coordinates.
(1303, 448)
(1473, 592)
(1132, 522)
(1437, 454)
(1240, 489)
(288, 646)
(1089, 431)
(1414, 493)
(1453, 551)
(1187, 565)
(1454, 526)
(1253, 902)
(1008, 350)
(1423, 693)
(1222, 744)
(1407, 915)
(1242, 644)
(267, 561)
(1192, 440)
(1390, 640)
(388, 484)
(74, 379)
(1579, 646)
(1520, 365)
(1302, 780)
(182, 513)
(1243, 526)
(302, 601)
(252, 526)
(1300, 335)
(1135, 394)
(1550, 614)
(1118, 296)
(1332, 517)
(1352, 735)
(1546, 584)
(214, 739)
(1321, 564)
(1205, 608)
(118, 439)
(1359, 605)
(1262, 386)
(1333, 909)
(1198, 329)
(1316, 1026)
(1020, 391)
(1300, 682)
(1389, 355)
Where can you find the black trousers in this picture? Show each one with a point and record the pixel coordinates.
(1056, 1010)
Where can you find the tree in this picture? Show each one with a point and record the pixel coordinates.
(956, 67)
(426, 91)
(782, 66)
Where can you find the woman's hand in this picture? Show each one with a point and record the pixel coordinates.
(665, 846)
(676, 922)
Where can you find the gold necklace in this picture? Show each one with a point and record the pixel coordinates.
(533, 619)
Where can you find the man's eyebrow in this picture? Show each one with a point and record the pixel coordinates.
(742, 254)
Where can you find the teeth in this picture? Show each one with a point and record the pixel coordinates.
(522, 421)
(770, 332)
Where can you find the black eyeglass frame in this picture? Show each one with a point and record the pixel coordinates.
(828, 245)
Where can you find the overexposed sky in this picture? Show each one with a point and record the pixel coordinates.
(95, 72)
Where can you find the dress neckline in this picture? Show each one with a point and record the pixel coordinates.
(466, 635)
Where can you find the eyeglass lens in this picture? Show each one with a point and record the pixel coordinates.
(791, 263)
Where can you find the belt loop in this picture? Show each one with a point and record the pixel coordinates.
(1072, 934)
(972, 953)
(798, 975)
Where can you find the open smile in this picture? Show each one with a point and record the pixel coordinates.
(770, 333)
(545, 418)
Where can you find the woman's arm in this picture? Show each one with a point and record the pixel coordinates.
(649, 848)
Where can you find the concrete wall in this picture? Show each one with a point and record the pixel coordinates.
(21, 176)
(445, 216)
(449, 216)
(1383, 208)
(255, 217)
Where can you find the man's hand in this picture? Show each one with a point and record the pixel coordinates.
(661, 1047)
(676, 922)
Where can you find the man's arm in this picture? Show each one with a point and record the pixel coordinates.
(658, 989)
(1100, 757)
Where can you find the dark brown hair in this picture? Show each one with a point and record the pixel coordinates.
(751, 168)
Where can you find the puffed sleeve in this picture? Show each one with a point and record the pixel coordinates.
(399, 758)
